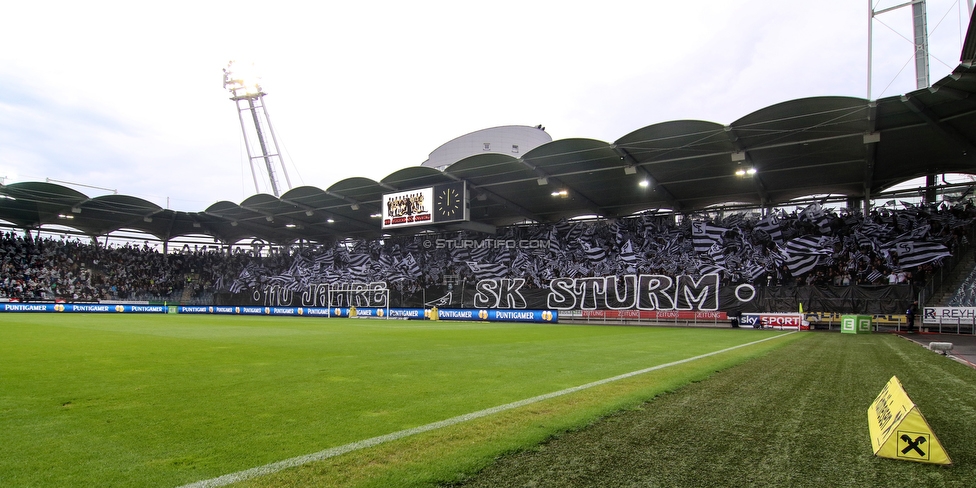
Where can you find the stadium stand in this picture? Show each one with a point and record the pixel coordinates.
(965, 293)
(51, 269)
(813, 246)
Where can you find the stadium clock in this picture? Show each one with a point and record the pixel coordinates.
(449, 203)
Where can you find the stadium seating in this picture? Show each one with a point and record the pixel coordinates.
(812, 246)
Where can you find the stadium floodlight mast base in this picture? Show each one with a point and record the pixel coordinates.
(249, 97)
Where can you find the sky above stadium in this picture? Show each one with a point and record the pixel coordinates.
(129, 96)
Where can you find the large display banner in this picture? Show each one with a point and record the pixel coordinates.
(629, 292)
(649, 292)
(352, 294)
(642, 292)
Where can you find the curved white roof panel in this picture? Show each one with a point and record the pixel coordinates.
(513, 140)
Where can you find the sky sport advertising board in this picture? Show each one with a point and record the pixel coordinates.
(424, 206)
(774, 321)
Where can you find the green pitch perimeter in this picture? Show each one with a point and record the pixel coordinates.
(149, 400)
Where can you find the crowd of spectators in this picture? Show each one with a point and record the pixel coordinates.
(50, 268)
(815, 246)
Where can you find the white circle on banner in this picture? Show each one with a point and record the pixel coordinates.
(747, 286)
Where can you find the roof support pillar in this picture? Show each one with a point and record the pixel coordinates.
(871, 141)
(930, 187)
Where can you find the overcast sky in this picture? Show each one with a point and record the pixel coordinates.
(129, 95)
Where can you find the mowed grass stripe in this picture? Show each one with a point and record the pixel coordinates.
(794, 417)
(375, 441)
(129, 400)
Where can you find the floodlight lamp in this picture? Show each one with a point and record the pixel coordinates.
(233, 224)
(147, 219)
(75, 209)
(242, 76)
(630, 169)
(308, 213)
(542, 181)
(354, 206)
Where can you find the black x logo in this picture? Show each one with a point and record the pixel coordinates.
(913, 444)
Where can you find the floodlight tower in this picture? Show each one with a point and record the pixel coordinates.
(249, 97)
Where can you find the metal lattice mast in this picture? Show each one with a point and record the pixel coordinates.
(921, 39)
(249, 97)
(921, 30)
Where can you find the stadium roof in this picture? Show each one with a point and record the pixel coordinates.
(823, 145)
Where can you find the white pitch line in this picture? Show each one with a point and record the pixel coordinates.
(375, 441)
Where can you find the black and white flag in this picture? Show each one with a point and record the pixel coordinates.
(917, 253)
(704, 235)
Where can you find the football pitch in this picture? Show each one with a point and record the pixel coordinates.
(150, 400)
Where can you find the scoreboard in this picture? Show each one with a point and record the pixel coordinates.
(424, 206)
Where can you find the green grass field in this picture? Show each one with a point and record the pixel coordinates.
(130, 400)
(794, 417)
(148, 400)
